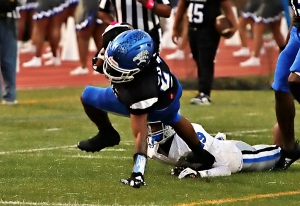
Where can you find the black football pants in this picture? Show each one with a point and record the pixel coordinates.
(204, 42)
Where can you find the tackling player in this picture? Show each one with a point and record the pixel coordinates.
(142, 88)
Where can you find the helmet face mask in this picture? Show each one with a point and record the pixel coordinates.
(159, 133)
(116, 74)
(128, 54)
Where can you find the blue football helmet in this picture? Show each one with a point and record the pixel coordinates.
(127, 55)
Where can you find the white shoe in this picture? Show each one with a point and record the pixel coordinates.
(201, 99)
(242, 52)
(9, 103)
(262, 51)
(53, 61)
(27, 49)
(34, 62)
(47, 55)
(79, 71)
(178, 54)
(251, 62)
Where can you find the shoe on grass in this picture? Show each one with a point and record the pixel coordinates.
(201, 99)
(104, 138)
(287, 158)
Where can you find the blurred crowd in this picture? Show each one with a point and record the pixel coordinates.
(41, 23)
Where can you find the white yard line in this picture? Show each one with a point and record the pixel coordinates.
(43, 203)
(52, 148)
(123, 142)
(97, 157)
(36, 150)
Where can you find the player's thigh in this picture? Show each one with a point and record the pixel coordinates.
(104, 99)
(286, 59)
(296, 65)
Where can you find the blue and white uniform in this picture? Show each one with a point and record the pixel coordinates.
(289, 58)
(231, 156)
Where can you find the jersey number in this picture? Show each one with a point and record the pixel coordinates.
(164, 80)
(201, 138)
(195, 13)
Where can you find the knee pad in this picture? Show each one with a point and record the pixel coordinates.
(295, 90)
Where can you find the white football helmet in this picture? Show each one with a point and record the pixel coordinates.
(159, 133)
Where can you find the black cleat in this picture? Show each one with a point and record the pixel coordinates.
(287, 158)
(104, 138)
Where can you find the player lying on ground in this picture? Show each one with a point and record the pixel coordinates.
(232, 156)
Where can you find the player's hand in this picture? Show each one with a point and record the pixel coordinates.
(175, 36)
(136, 180)
(182, 172)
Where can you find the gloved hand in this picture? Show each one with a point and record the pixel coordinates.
(136, 180)
(182, 172)
(188, 172)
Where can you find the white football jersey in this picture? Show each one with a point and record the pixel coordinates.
(228, 156)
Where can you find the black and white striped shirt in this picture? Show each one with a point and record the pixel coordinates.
(296, 7)
(134, 13)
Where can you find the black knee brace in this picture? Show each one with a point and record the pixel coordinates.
(295, 90)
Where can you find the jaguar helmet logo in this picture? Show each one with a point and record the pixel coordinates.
(141, 58)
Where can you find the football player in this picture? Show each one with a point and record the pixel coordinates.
(143, 89)
(232, 156)
(203, 39)
(286, 88)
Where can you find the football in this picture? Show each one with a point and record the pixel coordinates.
(223, 26)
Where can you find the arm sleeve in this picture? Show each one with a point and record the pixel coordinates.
(215, 172)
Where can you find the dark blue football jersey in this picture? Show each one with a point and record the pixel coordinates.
(151, 89)
(203, 11)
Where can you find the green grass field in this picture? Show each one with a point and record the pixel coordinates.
(40, 164)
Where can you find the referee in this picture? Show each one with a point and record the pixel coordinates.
(141, 14)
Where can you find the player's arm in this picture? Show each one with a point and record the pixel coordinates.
(181, 11)
(157, 7)
(215, 172)
(104, 12)
(228, 12)
(140, 132)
